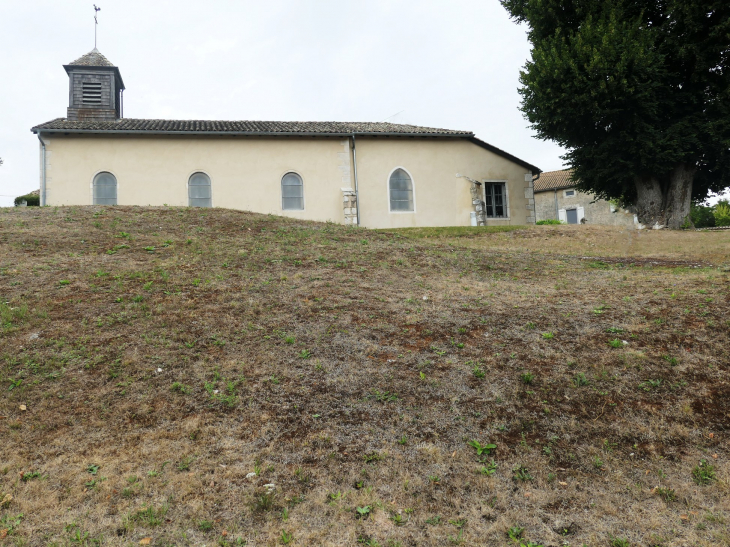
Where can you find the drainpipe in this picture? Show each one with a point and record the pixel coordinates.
(43, 171)
(557, 212)
(354, 164)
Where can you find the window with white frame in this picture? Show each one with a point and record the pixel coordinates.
(105, 189)
(199, 191)
(400, 189)
(292, 192)
(495, 199)
(569, 193)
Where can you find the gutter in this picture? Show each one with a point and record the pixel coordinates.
(357, 192)
(43, 171)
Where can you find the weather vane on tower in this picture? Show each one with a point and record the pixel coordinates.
(96, 23)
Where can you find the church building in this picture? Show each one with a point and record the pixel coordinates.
(376, 175)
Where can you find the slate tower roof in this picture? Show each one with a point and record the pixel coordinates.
(93, 58)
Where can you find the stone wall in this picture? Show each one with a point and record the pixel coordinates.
(349, 205)
(479, 206)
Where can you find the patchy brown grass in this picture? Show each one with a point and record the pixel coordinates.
(162, 355)
(616, 242)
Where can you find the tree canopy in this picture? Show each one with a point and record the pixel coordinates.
(638, 91)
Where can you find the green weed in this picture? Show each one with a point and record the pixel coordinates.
(489, 469)
(384, 396)
(521, 473)
(180, 388)
(580, 379)
(667, 494)
(482, 449)
(30, 475)
(703, 473)
(149, 516)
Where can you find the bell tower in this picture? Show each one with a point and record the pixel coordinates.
(95, 89)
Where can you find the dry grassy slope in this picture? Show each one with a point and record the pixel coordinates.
(618, 243)
(238, 343)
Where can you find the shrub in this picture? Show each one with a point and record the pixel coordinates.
(722, 214)
(702, 215)
(548, 221)
(32, 199)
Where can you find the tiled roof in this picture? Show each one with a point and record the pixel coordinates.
(554, 180)
(256, 128)
(130, 125)
(93, 58)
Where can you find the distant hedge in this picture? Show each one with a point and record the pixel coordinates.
(32, 199)
(722, 214)
(707, 216)
(548, 221)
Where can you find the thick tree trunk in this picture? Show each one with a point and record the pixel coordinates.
(679, 197)
(666, 205)
(649, 201)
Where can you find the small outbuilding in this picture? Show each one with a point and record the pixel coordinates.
(557, 198)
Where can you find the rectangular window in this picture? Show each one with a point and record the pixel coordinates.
(569, 193)
(91, 93)
(495, 196)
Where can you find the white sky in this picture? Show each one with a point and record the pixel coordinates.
(441, 63)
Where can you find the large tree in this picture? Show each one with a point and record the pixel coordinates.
(638, 92)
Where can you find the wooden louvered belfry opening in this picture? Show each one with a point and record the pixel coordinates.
(91, 93)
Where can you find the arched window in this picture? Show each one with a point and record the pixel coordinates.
(292, 192)
(199, 191)
(401, 191)
(105, 189)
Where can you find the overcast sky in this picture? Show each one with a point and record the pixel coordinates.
(441, 63)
